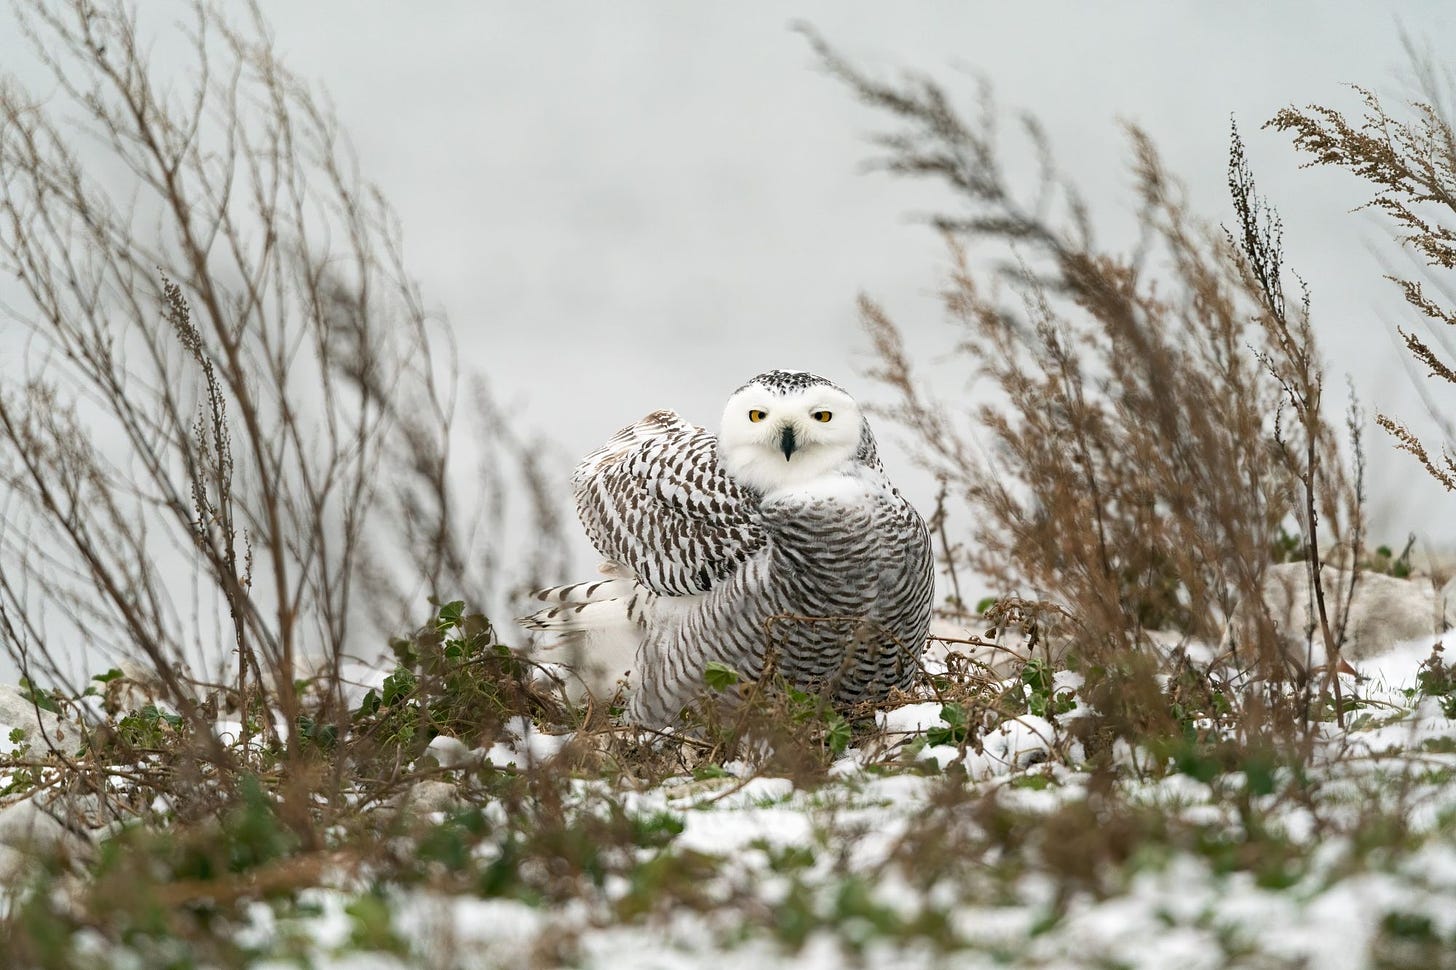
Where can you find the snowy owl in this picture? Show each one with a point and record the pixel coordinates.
(780, 541)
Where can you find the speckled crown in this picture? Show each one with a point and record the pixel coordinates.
(790, 381)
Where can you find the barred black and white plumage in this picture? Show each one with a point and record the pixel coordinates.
(780, 540)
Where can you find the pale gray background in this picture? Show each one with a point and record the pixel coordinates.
(628, 206)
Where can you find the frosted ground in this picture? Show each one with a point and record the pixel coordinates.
(920, 848)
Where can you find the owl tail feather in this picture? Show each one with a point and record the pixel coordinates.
(564, 598)
(598, 624)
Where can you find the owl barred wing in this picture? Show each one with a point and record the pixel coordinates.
(655, 499)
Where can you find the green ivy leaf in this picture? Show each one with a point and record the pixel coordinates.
(956, 726)
(450, 615)
(369, 705)
(397, 686)
(38, 697)
(719, 676)
(1037, 676)
(839, 734)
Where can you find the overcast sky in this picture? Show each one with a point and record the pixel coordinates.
(628, 206)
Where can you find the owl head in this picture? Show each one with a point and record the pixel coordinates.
(784, 429)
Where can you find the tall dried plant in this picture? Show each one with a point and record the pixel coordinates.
(1134, 461)
(1409, 159)
(230, 451)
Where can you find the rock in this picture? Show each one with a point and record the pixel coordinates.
(25, 824)
(1385, 610)
(38, 826)
(18, 711)
(431, 796)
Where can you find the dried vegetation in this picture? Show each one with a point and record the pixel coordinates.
(233, 374)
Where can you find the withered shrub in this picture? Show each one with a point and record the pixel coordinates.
(1153, 420)
(1409, 159)
(226, 461)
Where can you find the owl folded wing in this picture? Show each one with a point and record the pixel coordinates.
(655, 500)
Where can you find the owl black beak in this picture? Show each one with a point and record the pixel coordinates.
(787, 442)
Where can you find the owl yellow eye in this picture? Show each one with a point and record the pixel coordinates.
(756, 415)
(822, 416)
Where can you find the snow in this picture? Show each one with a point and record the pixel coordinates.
(910, 719)
(727, 831)
(1175, 909)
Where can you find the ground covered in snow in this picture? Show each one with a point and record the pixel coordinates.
(941, 832)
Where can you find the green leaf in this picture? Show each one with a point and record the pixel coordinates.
(1038, 676)
(985, 603)
(445, 844)
(1410, 926)
(1259, 774)
(369, 705)
(1196, 760)
(656, 830)
(956, 726)
(719, 676)
(1036, 782)
(839, 734)
(709, 772)
(397, 686)
(322, 734)
(450, 615)
(373, 927)
(107, 677)
(38, 697)
(786, 859)
(154, 714)
(17, 735)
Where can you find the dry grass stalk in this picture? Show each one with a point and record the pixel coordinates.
(1132, 462)
(1410, 162)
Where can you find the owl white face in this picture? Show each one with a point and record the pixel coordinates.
(786, 436)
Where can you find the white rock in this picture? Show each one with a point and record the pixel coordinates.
(431, 796)
(1385, 610)
(41, 826)
(26, 825)
(18, 711)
